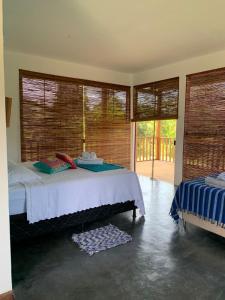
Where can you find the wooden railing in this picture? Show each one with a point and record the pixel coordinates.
(160, 148)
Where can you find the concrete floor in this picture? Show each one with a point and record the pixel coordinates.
(163, 170)
(161, 262)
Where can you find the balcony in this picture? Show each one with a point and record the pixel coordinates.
(157, 154)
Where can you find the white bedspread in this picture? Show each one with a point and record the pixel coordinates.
(75, 190)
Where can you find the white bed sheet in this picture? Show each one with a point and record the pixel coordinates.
(17, 199)
(74, 190)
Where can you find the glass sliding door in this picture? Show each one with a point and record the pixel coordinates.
(155, 149)
(145, 148)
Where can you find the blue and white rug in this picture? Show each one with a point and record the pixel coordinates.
(100, 239)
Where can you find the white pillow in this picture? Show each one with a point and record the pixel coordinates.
(21, 174)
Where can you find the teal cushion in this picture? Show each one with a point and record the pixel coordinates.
(43, 167)
(99, 168)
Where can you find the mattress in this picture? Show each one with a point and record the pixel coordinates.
(17, 199)
(199, 199)
(72, 191)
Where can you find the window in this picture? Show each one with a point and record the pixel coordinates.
(70, 115)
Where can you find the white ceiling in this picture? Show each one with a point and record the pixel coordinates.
(123, 35)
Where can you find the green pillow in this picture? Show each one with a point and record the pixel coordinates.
(50, 167)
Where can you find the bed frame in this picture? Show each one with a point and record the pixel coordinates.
(20, 229)
(194, 220)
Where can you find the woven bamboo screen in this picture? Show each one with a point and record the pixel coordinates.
(51, 116)
(156, 100)
(59, 113)
(204, 134)
(107, 123)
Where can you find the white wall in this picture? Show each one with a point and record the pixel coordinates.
(5, 263)
(181, 69)
(15, 61)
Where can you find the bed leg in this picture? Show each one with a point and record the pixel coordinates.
(184, 225)
(134, 213)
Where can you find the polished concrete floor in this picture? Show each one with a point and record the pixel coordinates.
(161, 262)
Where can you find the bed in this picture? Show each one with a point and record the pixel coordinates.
(69, 198)
(201, 205)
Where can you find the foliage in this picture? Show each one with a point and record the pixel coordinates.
(167, 128)
(145, 128)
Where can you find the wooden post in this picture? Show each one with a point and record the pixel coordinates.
(158, 140)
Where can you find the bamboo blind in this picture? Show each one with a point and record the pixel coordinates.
(204, 134)
(107, 122)
(51, 116)
(156, 100)
(60, 114)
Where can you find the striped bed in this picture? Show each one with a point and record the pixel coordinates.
(201, 200)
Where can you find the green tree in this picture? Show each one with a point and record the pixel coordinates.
(145, 128)
(168, 128)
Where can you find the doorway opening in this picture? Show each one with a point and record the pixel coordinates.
(155, 149)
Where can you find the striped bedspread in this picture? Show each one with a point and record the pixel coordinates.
(199, 199)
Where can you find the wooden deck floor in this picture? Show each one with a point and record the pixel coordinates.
(162, 170)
